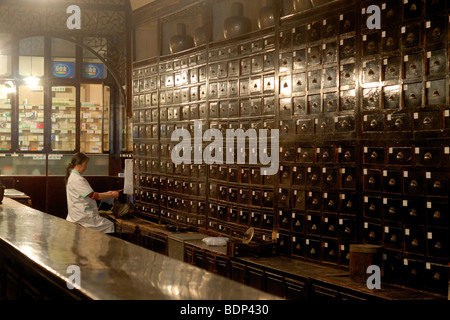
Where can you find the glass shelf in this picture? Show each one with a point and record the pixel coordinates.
(5, 117)
(31, 118)
(63, 115)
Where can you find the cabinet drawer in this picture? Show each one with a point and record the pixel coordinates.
(437, 242)
(284, 218)
(298, 222)
(436, 184)
(428, 156)
(330, 226)
(314, 201)
(393, 237)
(392, 209)
(400, 156)
(414, 212)
(374, 155)
(372, 233)
(298, 200)
(437, 214)
(372, 207)
(374, 122)
(313, 248)
(349, 203)
(392, 181)
(415, 240)
(347, 229)
(372, 180)
(398, 122)
(428, 120)
(330, 250)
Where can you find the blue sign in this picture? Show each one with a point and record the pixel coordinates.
(93, 70)
(63, 69)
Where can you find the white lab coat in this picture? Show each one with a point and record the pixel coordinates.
(82, 209)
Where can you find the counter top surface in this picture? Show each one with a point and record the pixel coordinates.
(111, 268)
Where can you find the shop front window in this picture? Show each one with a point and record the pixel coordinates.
(31, 57)
(63, 59)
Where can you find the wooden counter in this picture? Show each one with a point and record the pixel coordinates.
(36, 250)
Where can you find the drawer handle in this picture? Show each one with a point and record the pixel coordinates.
(331, 253)
(393, 238)
(304, 127)
(438, 245)
(398, 122)
(325, 155)
(436, 93)
(284, 220)
(391, 69)
(437, 277)
(347, 75)
(436, 32)
(315, 201)
(412, 96)
(437, 185)
(323, 125)
(331, 203)
(372, 207)
(372, 235)
(314, 227)
(415, 243)
(299, 176)
(392, 182)
(314, 177)
(349, 204)
(374, 155)
(347, 155)
(437, 215)
(428, 156)
(413, 67)
(392, 210)
(413, 184)
(400, 156)
(330, 178)
(347, 230)
(437, 63)
(427, 120)
(305, 155)
(410, 38)
(299, 200)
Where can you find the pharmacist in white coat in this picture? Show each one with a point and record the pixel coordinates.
(82, 199)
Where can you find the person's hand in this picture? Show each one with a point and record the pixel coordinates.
(114, 194)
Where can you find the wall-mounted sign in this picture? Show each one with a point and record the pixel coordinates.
(63, 69)
(93, 70)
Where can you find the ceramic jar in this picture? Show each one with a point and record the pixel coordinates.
(181, 41)
(237, 24)
(266, 16)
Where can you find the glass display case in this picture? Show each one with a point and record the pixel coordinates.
(63, 115)
(31, 118)
(6, 90)
(94, 118)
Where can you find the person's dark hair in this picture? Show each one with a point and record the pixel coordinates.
(78, 158)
